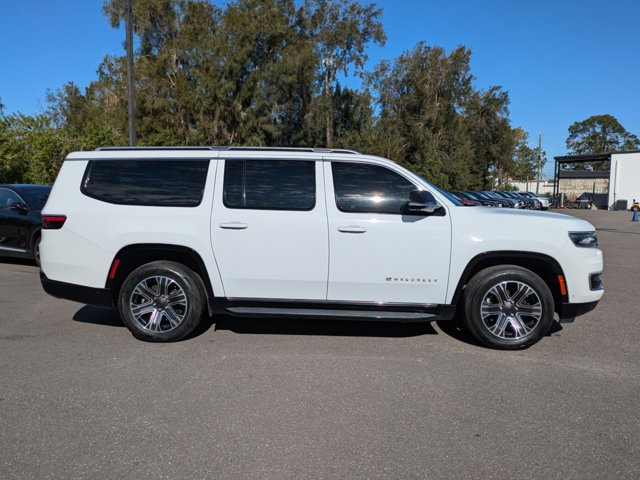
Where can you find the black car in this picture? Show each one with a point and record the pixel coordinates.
(20, 221)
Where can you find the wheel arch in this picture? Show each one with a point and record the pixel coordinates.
(546, 267)
(133, 256)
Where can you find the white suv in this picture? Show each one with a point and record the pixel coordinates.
(165, 235)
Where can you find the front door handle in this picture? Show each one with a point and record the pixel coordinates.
(352, 229)
(234, 225)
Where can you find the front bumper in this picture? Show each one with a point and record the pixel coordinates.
(100, 297)
(570, 311)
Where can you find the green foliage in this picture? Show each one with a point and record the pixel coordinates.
(525, 158)
(340, 31)
(434, 121)
(600, 134)
(270, 73)
(31, 150)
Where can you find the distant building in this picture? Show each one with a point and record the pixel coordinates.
(544, 188)
(613, 185)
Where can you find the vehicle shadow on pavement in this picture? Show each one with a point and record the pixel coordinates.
(108, 317)
(456, 330)
(340, 328)
(98, 316)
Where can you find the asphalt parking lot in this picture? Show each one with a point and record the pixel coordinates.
(258, 399)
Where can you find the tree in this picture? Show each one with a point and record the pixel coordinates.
(600, 134)
(340, 31)
(525, 158)
(31, 148)
(420, 97)
(487, 117)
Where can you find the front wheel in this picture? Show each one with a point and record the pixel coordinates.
(162, 301)
(508, 307)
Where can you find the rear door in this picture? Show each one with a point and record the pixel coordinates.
(379, 253)
(269, 228)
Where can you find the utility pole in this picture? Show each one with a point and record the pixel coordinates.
(130, 83)
(539, 162)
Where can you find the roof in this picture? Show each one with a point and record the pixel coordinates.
(594, 157)
(24, 186)
(583, 174)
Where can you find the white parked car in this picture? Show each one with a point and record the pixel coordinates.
(545, 202)
(168, 235)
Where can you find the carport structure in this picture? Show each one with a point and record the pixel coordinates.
(609, 180)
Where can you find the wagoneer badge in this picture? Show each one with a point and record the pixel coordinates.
(411, 280)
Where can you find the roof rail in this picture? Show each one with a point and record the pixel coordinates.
(294, 149)
(112, 149)
(252, 149)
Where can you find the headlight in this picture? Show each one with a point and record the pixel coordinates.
(584, 239)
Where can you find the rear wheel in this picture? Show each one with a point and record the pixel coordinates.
(36, 251)
(508, 307)
(162, 301)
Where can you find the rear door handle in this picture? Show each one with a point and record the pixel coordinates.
(234, 225)
(352, 229)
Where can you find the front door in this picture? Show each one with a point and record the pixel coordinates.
(378, 252)
(269, 229)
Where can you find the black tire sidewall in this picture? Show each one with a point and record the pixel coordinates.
(186, 279)
(36, 250)
(478, 288)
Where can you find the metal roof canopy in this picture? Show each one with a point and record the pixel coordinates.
(595, 157)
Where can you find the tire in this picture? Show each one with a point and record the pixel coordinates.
(36, 250)
(508, 307)
(162, 301)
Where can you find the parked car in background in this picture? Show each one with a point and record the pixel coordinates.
(465, 201)
(505, 202)
(514, 202)
(473, 196)
(530, 203)
(545, 202)
(20, 221)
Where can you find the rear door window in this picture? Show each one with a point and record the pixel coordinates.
(270, 184)
(161, 183)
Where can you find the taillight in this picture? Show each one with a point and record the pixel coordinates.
(53, 222)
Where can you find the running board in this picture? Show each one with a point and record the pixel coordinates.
(369, 311)
(324, 313)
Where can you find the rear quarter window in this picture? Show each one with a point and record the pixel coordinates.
(159, 183)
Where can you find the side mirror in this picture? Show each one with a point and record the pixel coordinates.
(19, 207)
(421, 201)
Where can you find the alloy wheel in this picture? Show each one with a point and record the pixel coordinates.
(158, 304)
(511, 310)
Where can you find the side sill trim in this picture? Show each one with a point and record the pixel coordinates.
(100, 297)
(391, 312)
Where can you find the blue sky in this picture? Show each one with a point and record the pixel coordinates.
(561, 61)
